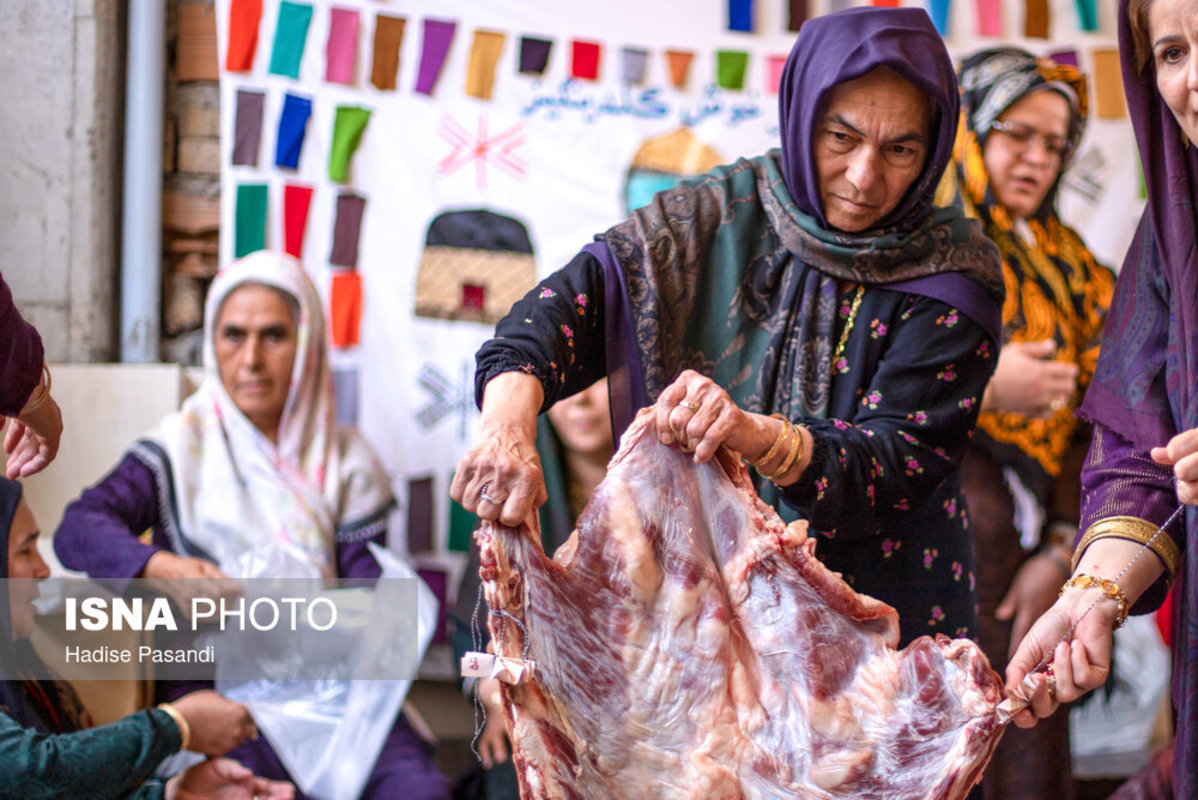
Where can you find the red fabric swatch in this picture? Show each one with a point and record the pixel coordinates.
(584, 63)
(886, 3)
(345, 307)
(297, 199)
(244, 16)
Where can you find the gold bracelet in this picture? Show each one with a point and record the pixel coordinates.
(1109, 589)
(773, 451)
(794, 456)
(1134, 529)
(39, 395)
(180, 721)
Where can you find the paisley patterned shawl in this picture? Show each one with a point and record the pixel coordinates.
(1054, 287)
(736, 276)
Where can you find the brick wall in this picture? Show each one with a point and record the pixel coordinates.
(191, 179)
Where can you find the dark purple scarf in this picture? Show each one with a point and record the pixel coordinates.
(842, 47)
(1152, 331)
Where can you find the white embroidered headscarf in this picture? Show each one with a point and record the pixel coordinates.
(234, 496)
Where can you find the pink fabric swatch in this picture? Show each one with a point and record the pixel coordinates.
(989, 17)
(341, 51)
(773, 72)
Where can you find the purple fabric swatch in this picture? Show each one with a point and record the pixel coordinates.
(293, 123)
(634, 61)
(534, 55)
(438, 35)
(345, 396)
(1064, 57)
(346, 230)
(420, 515)
(341, 51)
(247, 129)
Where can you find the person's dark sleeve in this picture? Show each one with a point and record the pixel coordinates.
(110, 761)
(354, 559)
(21, 356)
(99, 531)
(555, 333)
(910, 428)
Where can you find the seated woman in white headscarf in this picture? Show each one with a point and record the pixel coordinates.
(253, 463)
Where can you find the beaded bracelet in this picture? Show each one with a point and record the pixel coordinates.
(1109, 589)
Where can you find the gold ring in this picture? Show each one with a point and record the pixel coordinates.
(1052, 688)
(694, 407)
(1057, 404)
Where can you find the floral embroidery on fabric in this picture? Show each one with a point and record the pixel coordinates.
(919, 417)
(958, 571)
(547, 293)
(929, 557)
(937, 616)
(878, 329)
(966, 403)
(841, 425)
(913, 467)
(948, 374)
(580, 303)
(903, 504)
(889, 547)
(950, 506)
(950, 319)
(983, 349)
(869, 492)
(821, 485)
(872, 399)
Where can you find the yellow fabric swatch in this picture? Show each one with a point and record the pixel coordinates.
(484, 55)
(1108, 85)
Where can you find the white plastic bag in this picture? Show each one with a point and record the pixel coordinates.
(328, 733)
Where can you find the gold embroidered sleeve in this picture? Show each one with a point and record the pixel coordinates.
(1137, 530)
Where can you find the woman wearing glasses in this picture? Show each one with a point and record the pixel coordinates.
(1021, 120)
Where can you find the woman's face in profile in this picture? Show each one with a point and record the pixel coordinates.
(26, 565)
(255, 343)
(1173, 34)
(1026, 149)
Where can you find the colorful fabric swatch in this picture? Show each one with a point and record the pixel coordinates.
(885, 3)
(774, 67)
(1087, 15)
(679, 63)
(534, 55)
(461, 527)
(838, 5)
(484, 56)
(420, 515)
(438, 35)
(293, 123)
(989, 17)
(938, 11)
(247, 127)
(1035, 19)
(244, 16)
(291, 33)
(341, 49)
(1108, 84)
(796, 14)
(730, 68)
(388, 36)
(345, 396)
(347, 229)
(348, 126)
(297, 200)
(1064, 57)
(345, 307)
(740, 15)
(584, 60)
(633, 61)
(437, 581)
(249, 219)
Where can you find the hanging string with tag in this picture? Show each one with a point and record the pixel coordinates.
(1008, 708)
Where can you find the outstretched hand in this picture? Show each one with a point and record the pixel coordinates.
(32, 439)
(225, 779)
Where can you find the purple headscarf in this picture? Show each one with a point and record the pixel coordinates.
(844, 46)
(1152, 331)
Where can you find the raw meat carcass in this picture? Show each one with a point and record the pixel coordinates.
(688, 644)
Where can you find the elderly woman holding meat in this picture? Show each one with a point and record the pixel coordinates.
(809, 308)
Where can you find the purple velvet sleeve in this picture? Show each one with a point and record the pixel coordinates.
(99, 531)
(355, 561)
(1120, 481)
(21, 356)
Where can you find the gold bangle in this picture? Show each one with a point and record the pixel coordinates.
(40, 393)
(794, 456)
(1134, 529)
(1109, 589)
(180, 721)
(773, 451)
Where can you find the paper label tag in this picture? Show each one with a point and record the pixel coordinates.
(486, 665)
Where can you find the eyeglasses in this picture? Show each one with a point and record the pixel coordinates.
(1022, 136)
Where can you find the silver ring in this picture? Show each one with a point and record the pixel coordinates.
(486, 498)
(694, 407)
(1057, 404)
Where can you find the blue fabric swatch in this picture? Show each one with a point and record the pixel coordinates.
(293, 123)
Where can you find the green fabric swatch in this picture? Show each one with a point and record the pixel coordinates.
(461, 527)
(730, 68)
(250, 233)
(348, 126)
(290, 34)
